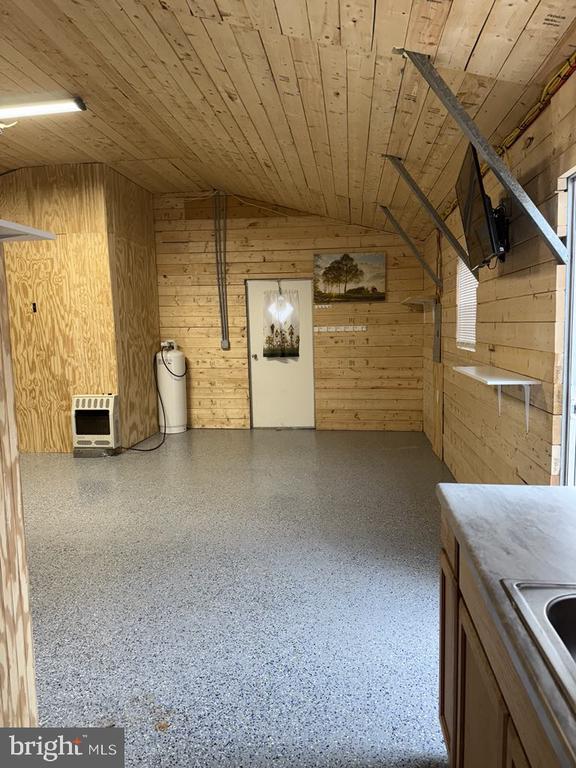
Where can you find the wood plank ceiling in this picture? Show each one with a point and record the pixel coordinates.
(294, 102)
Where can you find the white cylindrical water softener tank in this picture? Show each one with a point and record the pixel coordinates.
(171, 372)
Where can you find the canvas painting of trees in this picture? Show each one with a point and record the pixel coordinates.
(349, 277)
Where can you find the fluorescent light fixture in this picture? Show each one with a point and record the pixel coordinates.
(54, 107)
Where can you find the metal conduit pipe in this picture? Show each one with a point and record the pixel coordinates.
(220, 231)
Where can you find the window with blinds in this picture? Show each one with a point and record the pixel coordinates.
(466, 303)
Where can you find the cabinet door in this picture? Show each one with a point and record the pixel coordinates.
(515, 756)
(482, 713)
(448, 651)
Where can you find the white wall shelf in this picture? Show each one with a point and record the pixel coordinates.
(498, 377)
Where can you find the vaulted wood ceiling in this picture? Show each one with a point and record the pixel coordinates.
(294, 102)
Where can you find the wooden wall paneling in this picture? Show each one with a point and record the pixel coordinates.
(391, 25)
(446, 155)
(246, 104)
(264, 15)
(416, 149)
(334, 81)
(187, 96)
(195, 83)
(387, 80)
(46, 44)
(17, 685)
(306, 58)
(67, 346)
(361, 68)
(357, 24)
(135, 300)
(293, 18)
(282, 65)
(427, 21)
(96, 322)
(364, 380)
(441, 184)
(256, 61)
(519, 328)
(502, 29)
(461, 31)
(544, 29)
(324, 20)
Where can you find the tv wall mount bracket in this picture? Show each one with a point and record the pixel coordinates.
(399, 166)
(410, 243)
(494, 161)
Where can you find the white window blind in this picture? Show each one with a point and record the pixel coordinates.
(466, 301)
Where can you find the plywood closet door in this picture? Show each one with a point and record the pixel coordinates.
(17, 687)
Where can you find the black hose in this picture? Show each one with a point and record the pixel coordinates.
(177, 375)
(163, 440)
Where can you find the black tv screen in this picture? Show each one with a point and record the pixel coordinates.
(476, 213)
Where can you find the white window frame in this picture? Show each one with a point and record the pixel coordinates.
(466, 307)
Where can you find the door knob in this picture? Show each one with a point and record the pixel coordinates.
(254, 357)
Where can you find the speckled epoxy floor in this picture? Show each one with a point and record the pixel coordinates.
(267, 598)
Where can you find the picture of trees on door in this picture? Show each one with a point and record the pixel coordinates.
(349, 277)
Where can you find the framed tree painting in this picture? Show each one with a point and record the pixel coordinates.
(349, 277)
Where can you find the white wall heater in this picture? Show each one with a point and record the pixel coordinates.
(96, 423)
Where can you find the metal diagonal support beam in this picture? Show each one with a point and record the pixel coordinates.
(428, 207)
(497, 166)
(410, 243)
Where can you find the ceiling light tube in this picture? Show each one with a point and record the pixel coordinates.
(55, 107)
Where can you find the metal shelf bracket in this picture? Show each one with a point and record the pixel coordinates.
(495, 162)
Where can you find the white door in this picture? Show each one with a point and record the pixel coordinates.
(281, 353)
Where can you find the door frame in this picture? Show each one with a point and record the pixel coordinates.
(568, 446)
(249, 351)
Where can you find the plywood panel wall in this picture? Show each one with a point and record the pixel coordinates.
(519, 328)
(17, 688)
(130, 223)
(67, 346)
(94, 288)
(364, 380)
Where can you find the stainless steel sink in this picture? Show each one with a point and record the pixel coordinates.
(549, 614)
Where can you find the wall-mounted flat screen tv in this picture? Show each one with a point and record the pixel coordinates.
(485, 228)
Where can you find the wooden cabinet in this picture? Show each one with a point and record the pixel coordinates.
(515, 755)
(482, 714)
(448, 651)
(488, 716)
